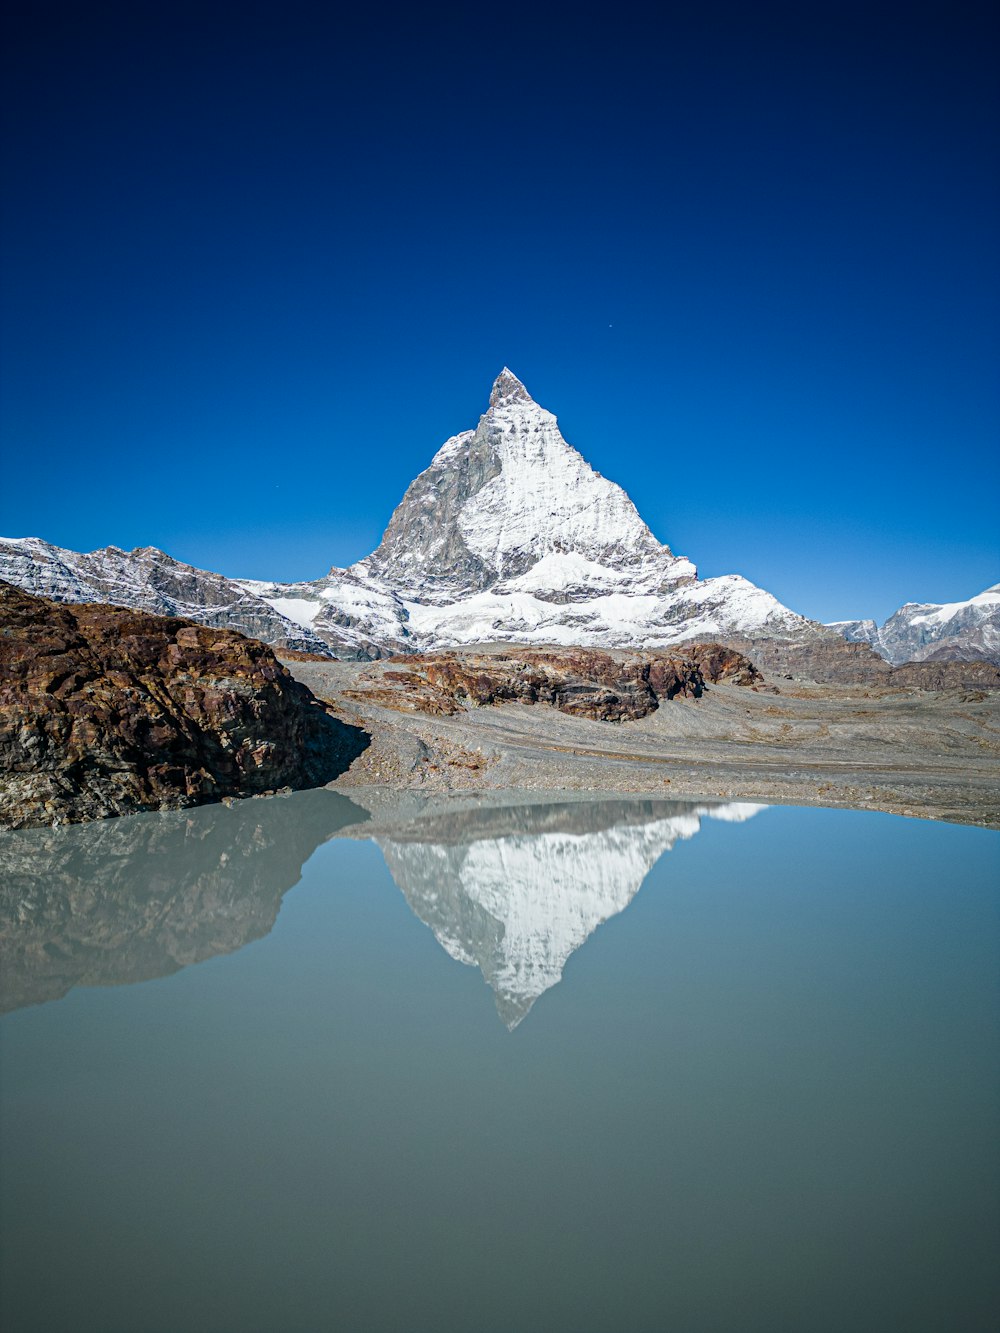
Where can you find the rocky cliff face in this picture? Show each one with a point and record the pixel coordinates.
(934, 632)
(105, 711)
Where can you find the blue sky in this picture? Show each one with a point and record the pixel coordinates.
(261, 260)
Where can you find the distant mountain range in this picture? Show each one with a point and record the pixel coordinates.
(934, 632)
(508, 534)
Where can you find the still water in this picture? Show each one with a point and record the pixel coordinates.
(585, 1066)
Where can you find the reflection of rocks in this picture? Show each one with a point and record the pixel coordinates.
(125, 900)
(516, 890)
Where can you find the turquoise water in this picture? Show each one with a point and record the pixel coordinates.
(611, 1066)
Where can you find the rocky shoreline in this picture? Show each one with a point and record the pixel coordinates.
(892, 747)
(106, 711)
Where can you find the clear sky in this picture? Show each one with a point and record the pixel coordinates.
(260, 260)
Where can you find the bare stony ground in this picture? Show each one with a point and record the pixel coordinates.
(931, 754)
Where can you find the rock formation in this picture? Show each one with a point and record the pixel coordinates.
(105, 711)
(583, 682)
(149, 580)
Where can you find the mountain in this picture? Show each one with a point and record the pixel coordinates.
(517, 900)
(510, 534)
(507, 534)
(934, 632)
(148, 580)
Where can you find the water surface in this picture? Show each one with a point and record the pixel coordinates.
(574, 1066)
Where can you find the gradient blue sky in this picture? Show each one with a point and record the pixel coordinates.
(261, 260)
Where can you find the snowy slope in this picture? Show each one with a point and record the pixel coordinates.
(510, 534)
(148, 580)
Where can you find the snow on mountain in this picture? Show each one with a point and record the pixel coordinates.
(148, 580)
(510, 534)
(517, 906)
(507, 534)
(929, 631)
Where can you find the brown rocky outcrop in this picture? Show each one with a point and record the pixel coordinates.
(584, 682)
(105, 711)
(937, 674)
(832, 660)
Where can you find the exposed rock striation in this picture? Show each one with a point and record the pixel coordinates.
(936, 674)
(583, 682)
(105, 711)
(827, 659)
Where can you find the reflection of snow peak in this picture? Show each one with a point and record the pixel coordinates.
(518, 906)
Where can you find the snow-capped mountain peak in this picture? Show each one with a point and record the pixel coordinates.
(508, 533)
(508, 386)
(497, 500)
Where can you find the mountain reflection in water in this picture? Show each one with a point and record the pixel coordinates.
(513, 889)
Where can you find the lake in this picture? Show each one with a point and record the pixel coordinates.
(527, 1064)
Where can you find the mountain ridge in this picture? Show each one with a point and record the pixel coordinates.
(963, 631)
(507, 535)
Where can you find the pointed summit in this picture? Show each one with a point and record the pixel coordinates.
(508, 388)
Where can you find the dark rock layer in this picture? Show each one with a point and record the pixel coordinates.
(934, 674)
(823, 657)
(106, 711)
(584, 682)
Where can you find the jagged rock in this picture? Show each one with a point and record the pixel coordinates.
(827, 659)
(583, 682)
(149, 580)
(939, 632)
(947, 675)
(105, 711)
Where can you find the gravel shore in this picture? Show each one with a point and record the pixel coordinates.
(930, 754)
